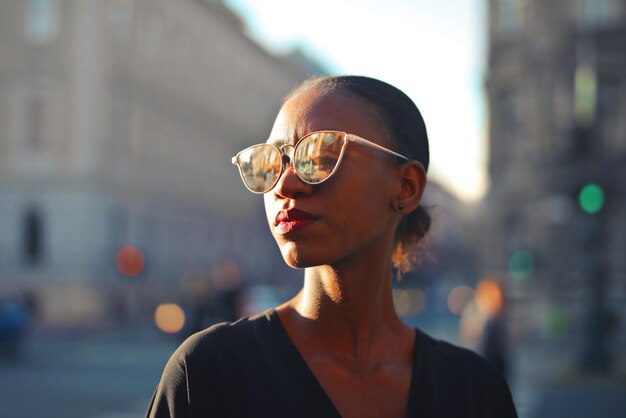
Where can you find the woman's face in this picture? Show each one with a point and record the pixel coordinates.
(351, 212)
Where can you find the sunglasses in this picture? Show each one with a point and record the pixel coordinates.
(315, 159)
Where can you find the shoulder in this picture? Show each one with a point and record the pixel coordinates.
(221, 341)
(210, 361)
(226, 336)
(449, 357)
(461, 378)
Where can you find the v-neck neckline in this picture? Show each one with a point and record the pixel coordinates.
(299, 358)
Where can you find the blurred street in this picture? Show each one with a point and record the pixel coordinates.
(546, 384)
(112, 375)
(97, 375)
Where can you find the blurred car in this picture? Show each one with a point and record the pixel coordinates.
(260, 297)
(14, 319)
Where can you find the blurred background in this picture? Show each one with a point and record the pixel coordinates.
(124, 227)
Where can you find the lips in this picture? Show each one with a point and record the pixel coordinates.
(292, 220)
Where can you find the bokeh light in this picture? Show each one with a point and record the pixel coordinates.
(196, 284)
(226, 275)
(556, 323)
(591, 198)
(586, 92)
(418, 301)
(489, 297)
(169, 318)
(458, 298)
(521, 265)
(409, 302)
(130, 261)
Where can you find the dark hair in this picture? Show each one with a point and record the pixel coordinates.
(406, 125)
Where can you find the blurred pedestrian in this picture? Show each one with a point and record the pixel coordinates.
(227, 300)
(484, 324)
(197, 287)
(347, 210)
(490, 299)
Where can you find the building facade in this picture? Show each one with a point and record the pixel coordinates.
(556, 84)
(118, 119)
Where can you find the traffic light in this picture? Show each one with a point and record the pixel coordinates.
(521, 264)
(591, 198)
(130, 261)
(585, 95)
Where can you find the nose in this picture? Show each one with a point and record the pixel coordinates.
(289, 185)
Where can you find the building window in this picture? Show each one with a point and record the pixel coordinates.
(120, 14)
(42, 20)
(596, 12)
(509, 114)
(34, 122)
(509, 13)
(33, 236)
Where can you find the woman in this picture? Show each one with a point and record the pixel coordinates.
(342, 177)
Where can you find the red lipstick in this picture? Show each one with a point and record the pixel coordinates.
(292, 220)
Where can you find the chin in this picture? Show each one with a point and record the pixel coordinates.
(298, 258)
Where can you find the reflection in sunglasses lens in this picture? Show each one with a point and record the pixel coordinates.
(316, 156)
(260, 166)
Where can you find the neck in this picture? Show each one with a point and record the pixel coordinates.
(349, 307)
(357, 297)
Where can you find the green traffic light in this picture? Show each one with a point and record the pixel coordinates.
(591, 198)
(521, 265)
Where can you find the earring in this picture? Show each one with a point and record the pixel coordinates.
(400, 206)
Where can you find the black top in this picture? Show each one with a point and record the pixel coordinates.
(251, 368)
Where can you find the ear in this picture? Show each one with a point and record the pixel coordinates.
(412, 176)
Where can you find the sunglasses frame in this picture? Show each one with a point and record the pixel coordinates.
(346, 137)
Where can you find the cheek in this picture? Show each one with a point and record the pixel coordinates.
(366, 199)
(362, 212)
(269, 211)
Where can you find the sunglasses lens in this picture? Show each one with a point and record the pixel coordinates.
(260, 167)
(316, 156)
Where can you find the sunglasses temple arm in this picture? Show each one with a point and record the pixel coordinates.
(371, 144)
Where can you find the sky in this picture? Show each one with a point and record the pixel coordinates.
(432, 50)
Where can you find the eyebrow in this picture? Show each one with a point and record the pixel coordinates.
(296, 138)
(277, 142)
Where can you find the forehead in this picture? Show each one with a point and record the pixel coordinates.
(313, 110)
